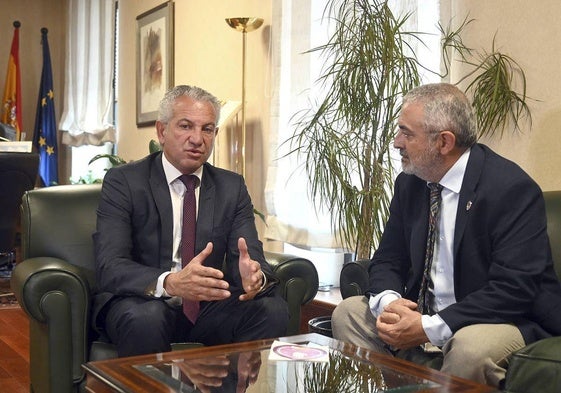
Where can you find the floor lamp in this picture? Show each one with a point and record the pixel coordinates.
(244, 25)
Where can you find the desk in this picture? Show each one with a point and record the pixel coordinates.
(152, 373)
(21, 147)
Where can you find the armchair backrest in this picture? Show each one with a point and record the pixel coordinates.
(18, 173)
(59, 221)
(353, 280)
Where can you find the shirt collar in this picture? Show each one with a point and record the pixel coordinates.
(453, 179)
(172, 173)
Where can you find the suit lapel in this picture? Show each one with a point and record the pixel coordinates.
(205, 217)
(162, 199)
(468, 196)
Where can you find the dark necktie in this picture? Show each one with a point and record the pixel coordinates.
(424, 303)
(188, 231)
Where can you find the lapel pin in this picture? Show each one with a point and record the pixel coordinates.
(468, 206)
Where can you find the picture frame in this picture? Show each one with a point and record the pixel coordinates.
(154, 60)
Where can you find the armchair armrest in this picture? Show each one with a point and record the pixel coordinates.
(56, 296)
(535, 368)
(298, 283)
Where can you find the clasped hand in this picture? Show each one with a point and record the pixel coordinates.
(399, 325)
(202, 283)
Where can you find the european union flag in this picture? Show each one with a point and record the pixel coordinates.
(44, 135)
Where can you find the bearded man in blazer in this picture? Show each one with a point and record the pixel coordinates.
(494, 289)
(140, 278)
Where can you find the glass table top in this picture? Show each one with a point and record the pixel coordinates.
(257, 372)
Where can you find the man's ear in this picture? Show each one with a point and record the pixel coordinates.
(160, 130)
(447, 142)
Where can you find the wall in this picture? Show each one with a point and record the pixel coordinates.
(530, 33)
(33, 15)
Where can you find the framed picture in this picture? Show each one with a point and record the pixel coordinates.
(154, 61)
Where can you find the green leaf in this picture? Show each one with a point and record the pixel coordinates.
(260, 215)
(113, 159)
(154, 146)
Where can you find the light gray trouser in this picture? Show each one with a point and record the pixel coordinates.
(476, 352)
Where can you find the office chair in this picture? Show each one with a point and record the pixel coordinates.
(18, 173)
(7, 132)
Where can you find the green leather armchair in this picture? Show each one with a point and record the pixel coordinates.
(535, 368)
(56, 276)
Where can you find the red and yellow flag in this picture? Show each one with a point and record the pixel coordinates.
(11, 103)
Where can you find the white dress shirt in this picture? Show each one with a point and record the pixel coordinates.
(176, 190)
(442, 270)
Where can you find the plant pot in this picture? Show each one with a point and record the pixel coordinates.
(321, 325)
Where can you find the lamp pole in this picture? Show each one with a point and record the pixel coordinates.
(244, 25)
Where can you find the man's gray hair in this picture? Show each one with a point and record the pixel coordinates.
(165, 111)
(445, 108)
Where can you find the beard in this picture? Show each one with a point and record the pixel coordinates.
(426, 166)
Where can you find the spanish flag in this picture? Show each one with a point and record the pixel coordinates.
(11, 103)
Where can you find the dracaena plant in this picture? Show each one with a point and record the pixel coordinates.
(345, 139)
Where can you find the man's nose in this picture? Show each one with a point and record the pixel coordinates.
(398, 140)
(196, 136)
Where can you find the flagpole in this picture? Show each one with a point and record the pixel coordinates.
(11, 101)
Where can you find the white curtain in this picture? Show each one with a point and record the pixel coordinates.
(87, 117)
(297, 26)
(292, 218)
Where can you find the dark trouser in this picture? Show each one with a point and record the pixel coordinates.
(140, 326)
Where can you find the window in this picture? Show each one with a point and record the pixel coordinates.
(87, 122)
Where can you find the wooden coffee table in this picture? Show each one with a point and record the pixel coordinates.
(246, 367)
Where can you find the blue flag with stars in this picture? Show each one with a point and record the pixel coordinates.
(44, 135)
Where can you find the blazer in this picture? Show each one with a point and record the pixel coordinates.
(503, 269)
(133, 239)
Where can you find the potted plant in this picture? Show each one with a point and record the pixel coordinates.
(346, 140)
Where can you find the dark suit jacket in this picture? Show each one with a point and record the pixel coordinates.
(133, 240)
(503, 271)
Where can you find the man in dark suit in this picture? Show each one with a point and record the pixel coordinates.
(139, 247)
(491, 287)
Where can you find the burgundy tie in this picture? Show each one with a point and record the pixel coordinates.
(188, 231)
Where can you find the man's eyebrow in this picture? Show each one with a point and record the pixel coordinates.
(184, 119)
(402, 127)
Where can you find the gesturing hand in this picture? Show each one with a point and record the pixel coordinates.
(198, 282)
(250, 272)
(235, 371)
(205, 373)
(249, 364)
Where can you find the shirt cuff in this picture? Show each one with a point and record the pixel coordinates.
(264, 282)
(160, 291)
(380, 301)
(436, 329)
